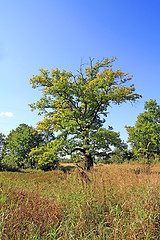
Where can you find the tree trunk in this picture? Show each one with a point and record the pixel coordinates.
(88, 161)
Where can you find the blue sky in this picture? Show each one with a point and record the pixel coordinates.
(48, 34)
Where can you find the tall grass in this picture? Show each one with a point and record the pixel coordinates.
(119, 202)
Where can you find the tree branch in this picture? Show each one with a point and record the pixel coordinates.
(78, 149)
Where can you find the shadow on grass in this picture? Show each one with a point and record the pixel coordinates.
(66, 168)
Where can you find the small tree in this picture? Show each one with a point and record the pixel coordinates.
(74, 107)
(145, 136)
(19, 143)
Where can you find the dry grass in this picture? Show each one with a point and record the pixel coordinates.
(119, 202)
(25, 215)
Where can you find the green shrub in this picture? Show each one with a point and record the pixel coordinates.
(9, 164)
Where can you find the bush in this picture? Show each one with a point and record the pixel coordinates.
(50, 165)
(9, 164)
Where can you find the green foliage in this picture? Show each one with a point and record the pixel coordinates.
(2, 148)
(121, 155)
(9, 163)
(18, 145)
(75, 106)
(44, 157)
(145, 136)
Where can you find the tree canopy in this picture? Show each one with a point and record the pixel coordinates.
(19, 144)
(76, 107)
(145, 136)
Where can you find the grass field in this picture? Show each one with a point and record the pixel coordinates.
(115, 202)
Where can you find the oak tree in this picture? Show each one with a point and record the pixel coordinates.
(76, 106)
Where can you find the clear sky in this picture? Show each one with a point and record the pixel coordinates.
(50, 34)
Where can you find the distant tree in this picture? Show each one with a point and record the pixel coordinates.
(145, 136)
(42, 154)
(48, 136)
(2, 147)
(19, 143)
(74, 106)
(120, 155)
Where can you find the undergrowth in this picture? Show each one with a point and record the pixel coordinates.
(119, 202)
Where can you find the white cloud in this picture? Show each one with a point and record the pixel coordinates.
(7, 114)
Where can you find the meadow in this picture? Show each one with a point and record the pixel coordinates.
(115, 202)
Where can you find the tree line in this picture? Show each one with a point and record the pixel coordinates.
(15, 148)
(75, 108)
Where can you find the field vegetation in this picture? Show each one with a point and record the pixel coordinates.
(114, 194)
(110, 202)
